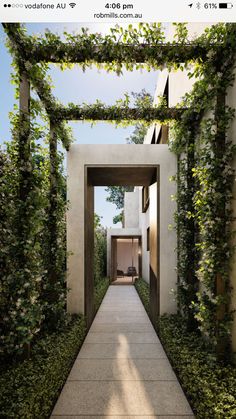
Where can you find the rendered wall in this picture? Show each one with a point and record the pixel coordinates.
(131, 209)
(144, 222)
(127, 154)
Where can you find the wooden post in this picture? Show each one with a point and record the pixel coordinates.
(219, 151)
(178, 231)
(24, 186)
(191, 248)
(24, 159)
(154, 209)
(52, 215)
(89, 252)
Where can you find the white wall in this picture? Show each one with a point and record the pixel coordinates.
(131, 209)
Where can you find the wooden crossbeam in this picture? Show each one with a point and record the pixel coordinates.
(159, 54)
(80, 52)
(115, 113)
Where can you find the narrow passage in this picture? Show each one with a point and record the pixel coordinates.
(122, 370)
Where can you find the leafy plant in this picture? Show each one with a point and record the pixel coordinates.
(209, 385)
(30, 388)
(100, 250)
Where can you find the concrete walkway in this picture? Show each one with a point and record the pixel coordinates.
(122, 370)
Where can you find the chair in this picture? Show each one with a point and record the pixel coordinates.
(131, 271)
(120, 273)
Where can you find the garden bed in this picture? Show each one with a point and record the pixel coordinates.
(29, 389)
(209, 385)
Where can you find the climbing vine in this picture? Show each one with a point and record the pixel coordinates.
(212, 205)
(100, 250)
(204, 194)
(204, 177)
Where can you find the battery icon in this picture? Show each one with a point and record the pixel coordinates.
(225, 5)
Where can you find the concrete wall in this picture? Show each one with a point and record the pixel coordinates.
(131, 209)
(144, 222)
(127, 154)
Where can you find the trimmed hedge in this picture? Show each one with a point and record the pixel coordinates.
(142, 288)
(209, 385)
(30, 389)
(100, 291)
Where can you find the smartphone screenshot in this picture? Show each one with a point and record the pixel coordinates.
(117, 209)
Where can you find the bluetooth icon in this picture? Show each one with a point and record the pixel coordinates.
(198, 5)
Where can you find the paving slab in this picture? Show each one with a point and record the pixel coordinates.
(122, 308)
(122, 398)
(122, 350)
(122, 303)
(122, 315)
(116, 337)
(122, 370)
(120, 319)
(121, 327)
(123, 417)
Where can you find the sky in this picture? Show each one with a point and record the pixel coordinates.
(78, 86)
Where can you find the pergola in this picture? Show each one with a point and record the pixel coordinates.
(30, 54)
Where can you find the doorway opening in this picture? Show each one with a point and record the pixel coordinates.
(122, 175)
(126, 259)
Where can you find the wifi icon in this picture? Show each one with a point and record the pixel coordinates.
(72, 5)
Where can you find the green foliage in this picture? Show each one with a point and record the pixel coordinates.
(117, 195)
(100, 291)
(131, 48)
(204, 170)
(204, 181)
(209, 385)
(29, 389)
(137, 135)
(212, 201)
(24, 279)
(119, 218)
(142, 288)
(100, 250)
(111, 52)
(20, 274)
(140, 130)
